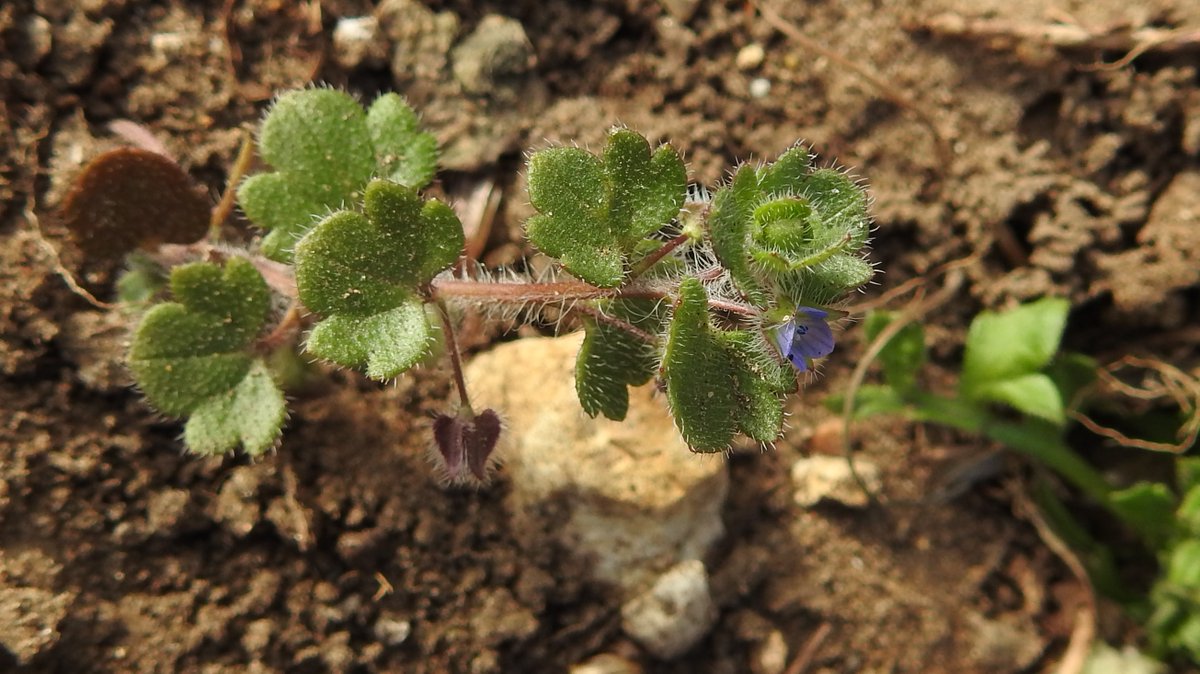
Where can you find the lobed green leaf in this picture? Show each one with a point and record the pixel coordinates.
(363, 271)
(324, 148)
(730, 230)
(403, 153)
(193, 357)
(762, 382)
(594, 212)
(250, 414)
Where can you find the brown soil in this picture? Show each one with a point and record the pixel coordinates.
(340, 552)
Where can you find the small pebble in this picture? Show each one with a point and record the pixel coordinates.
(356, 40)
(828, 478)
(760, 87)
(674, 614)
(750, 57)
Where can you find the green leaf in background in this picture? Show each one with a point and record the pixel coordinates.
(903, 355)
(1188, 514)
(871, 400)
(1033, 394)
(611, 359)
(324, 148)
(700, 374)
(593, 212)
(1149, 507)
(1013, 343)
(1175, 623)
(192, 358)
(362, 271)
(1187, 473)
(1072, 373)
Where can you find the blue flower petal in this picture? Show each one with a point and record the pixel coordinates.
(805, 336)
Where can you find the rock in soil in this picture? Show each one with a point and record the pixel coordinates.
(628, 495)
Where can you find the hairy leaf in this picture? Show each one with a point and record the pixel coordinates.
(763, 381)
(193, 357)
(730, 229)
(791, 227)
(129, 198)
(362, 271)
(593, 212)
(249, 414)
(611, 359)
(324, 148)
(781, 177)
(403, 153)
(700, 374)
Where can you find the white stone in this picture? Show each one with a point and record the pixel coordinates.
(674, 614)
(750, 57)
(818, 477)
(760, 87)
(357, 40)
(628, 495)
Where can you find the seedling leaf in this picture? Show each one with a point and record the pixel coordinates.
(1033, 394)
(903, 355)
(1149, 507)
(317, 141)
(129, 198)
(1013, 343)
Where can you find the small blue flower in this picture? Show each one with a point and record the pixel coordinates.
(805, 336)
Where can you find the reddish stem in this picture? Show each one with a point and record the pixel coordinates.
(652, 259)
(455, 358)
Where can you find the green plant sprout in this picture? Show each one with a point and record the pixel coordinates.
(725, 300)
(1018, 389)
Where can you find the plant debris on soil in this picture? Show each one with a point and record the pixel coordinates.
(1059, 143)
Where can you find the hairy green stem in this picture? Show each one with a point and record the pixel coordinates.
(561, 291)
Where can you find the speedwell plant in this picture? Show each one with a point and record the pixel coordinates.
(724, 299)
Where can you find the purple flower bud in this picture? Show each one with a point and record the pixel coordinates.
(805, 336)
(464, 445)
